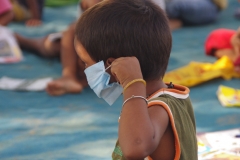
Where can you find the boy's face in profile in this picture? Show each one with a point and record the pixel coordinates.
(87, 60)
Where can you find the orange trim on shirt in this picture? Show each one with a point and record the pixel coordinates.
(149, 158)
(177, 89)
(177, 143)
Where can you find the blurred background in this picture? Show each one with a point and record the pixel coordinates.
(55, 120)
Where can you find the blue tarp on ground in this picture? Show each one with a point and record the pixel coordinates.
(34, 125)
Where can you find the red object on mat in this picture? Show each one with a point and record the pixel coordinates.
(218, 39)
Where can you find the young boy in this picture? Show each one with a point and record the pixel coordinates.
(224, 42)
(129, 42)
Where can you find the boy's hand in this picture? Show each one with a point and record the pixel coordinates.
(126, 69)
(235, 41)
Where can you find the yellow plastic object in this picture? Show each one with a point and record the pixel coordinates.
(196, 72)
(229, 97)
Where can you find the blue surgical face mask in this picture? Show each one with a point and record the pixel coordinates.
(98, 79)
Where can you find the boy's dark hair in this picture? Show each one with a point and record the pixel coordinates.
(123, 28)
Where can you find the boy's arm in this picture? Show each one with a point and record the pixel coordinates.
(140, 128)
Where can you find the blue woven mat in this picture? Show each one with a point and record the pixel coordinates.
(34, 125)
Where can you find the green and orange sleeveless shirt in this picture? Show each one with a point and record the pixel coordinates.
(177, 103)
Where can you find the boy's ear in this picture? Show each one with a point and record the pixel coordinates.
(109, 61)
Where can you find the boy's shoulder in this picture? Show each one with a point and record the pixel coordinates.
(174, 92)
(175, 100)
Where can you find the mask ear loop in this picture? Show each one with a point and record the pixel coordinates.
(108, 67)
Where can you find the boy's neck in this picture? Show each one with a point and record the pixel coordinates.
(155, 85)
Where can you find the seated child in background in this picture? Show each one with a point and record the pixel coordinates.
(6, 13)
(193, 12)
(73, 79)
(224, 42)
(129, 42)
(29, 11)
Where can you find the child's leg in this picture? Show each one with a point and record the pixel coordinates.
(73, 79)
(41, 46)
(193, 12)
